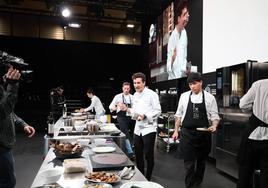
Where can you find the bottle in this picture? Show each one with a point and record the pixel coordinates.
(64, 113)
(50, 125)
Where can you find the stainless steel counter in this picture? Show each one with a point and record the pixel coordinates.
(74, 135)
(75, 180)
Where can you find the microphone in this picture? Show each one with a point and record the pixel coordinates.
(6, 58)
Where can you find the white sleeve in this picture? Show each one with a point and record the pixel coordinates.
(246, 102)
(156, 108)
(179, 112)
(170, 49)
(213, 109)
(183, 56)
(92, 105)
(113, 103)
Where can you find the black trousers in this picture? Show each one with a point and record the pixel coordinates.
(256, 157)
(144, 147)
(194, 172)
(124, 125)
(7, 170)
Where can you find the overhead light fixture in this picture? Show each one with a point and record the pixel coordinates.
(130, 25)
(65, 12)
(74, 25)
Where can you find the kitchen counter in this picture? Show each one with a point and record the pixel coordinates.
(76, 180)
(60, 134)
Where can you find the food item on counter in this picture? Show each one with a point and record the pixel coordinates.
(98, 186)
(67, 147)
(74, 165)
(103, 177)
(110, 158)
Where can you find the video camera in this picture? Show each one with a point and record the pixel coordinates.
(18, 63)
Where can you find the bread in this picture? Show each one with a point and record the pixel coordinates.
(74, 165)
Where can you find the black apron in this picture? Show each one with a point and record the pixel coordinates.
(124, 121)
(193, 143)
(244, 150)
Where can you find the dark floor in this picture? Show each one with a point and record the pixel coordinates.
(168, 170)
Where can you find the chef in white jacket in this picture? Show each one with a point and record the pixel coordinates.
(95, 104)
(145, 110)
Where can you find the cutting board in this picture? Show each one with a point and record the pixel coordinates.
(110, 161)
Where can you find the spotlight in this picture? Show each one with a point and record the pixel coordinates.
(130, 25)
(65, 12)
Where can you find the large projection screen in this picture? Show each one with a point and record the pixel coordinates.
(234, 31)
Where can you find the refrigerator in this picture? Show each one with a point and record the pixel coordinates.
(231, 84)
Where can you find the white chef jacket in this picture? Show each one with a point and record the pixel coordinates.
(128, 99)
(210, 102)
(147, 103)
(256, 99)
(97, 105)
(179, 41)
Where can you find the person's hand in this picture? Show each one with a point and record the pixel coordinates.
(12, 74)
(114, 108)
(174, 56)
(29, 130)
(81, 110)
(141, 117)
(175, 135)
(122, 106)
(212, 128)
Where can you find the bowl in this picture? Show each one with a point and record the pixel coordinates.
(68, 128)
(51, 175)
(79, 128)
(100, 141)
(68, 155)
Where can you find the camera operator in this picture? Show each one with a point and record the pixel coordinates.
(8, 120)
(57, 100)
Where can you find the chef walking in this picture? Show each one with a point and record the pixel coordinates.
(197, 117)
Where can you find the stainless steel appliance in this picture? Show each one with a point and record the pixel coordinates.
(231, 84)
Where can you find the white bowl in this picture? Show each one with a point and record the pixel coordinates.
(51, 175)
(68, 128)
(100, 141)
(79, 128)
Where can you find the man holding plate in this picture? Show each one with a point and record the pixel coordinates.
(197, 116)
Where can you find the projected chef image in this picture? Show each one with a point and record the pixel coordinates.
(174, 53)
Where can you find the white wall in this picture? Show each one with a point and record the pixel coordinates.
(233, 32)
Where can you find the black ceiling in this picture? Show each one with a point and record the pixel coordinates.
(101, 10)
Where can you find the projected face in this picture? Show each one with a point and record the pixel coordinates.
(183, 18)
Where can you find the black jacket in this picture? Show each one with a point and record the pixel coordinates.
(8, 119)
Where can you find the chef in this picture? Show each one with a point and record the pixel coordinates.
(196, 118)
(121, 101)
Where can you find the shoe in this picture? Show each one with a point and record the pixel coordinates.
(131, 157)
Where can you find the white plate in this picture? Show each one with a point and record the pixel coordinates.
(104, 185)
(103, 149)
(102, 175)
(142, 184)
(202, 129)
